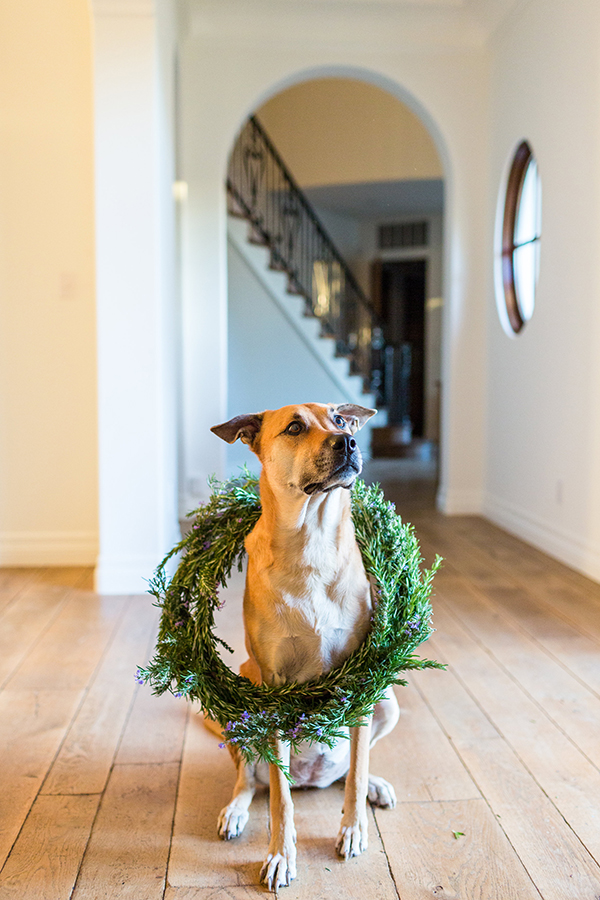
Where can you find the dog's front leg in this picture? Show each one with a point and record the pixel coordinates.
(353, 835)
(280, 865)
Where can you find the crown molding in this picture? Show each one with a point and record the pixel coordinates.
(405, 23)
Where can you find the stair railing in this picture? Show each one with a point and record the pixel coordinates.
(261, 188)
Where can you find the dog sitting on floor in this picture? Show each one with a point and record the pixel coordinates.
(307, 606)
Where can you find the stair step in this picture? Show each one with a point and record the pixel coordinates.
(234, 208)
(255, 237)
(258, 241)
(292, 289)
(236, 213)
(277, 266)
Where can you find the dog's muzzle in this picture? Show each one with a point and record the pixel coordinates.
(341, 462)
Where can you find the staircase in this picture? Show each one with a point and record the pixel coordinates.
(282, 239)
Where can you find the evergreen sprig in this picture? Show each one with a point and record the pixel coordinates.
(187, 662)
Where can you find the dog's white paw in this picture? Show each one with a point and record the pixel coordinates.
(353, 837)
(279, 869)
(381, 793)
(232, 821)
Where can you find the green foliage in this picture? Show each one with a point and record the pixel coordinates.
(186, 661)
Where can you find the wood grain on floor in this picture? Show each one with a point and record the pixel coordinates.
(107, 791)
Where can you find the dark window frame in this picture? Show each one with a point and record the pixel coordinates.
(521, 161)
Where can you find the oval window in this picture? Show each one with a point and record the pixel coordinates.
(521, 234)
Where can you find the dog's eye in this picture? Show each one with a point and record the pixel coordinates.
(294, 428)
(339, 421)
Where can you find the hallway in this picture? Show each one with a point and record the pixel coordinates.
(495, 762)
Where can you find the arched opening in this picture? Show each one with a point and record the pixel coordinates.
(370, 171)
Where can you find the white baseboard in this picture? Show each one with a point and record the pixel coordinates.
(48, 548)
(571, 549)
(459, 502)
(132, 574)
(124, 576)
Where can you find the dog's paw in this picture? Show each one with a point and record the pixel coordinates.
(381, 792)
(353, 838)
(279, 869)
(232, 821)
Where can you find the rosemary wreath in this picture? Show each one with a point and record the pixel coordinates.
(187, 662)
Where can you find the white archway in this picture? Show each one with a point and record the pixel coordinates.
(343, 133)
(369, 76)
(221, 112)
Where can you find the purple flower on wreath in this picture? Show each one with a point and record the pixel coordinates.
(412, 627)
(206, 545)
(139, 676)
(222, 745)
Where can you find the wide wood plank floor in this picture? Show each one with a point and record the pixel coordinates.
(109, 792)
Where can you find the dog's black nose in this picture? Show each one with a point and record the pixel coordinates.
(342, 442)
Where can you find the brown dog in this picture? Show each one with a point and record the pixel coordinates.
(307, 606)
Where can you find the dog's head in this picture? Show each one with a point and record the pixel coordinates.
(309, 448)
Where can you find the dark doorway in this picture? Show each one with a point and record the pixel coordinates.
(400, 296)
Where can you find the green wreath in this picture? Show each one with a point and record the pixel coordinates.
(187, 662)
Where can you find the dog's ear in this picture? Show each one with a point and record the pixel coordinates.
(244, 427)
(356, 416)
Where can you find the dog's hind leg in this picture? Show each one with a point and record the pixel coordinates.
(385, 716)
(232, 819)
(381, 792)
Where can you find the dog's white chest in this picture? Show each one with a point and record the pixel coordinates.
(308, 601)
(314, 629)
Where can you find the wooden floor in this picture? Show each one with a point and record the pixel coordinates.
(108, 792)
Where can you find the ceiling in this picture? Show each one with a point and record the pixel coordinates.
(380, 199)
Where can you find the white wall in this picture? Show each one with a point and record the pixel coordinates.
(48, 405)
(228, 70)
(543, 473)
